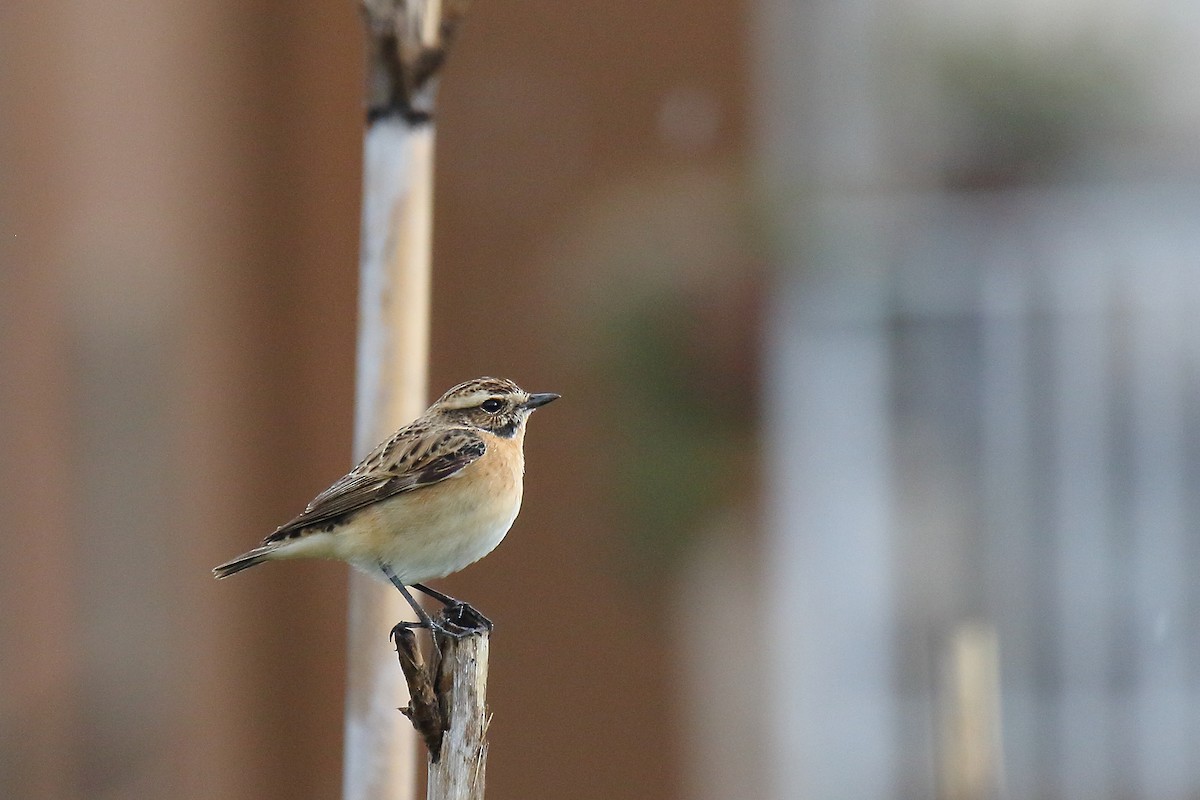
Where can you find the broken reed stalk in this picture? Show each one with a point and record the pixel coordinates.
(459, 774)
(461, 685)
(423, 709)
(449, 707)
(406, 46)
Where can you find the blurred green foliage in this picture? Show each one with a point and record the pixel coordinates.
(1020, 113)
(685, 371)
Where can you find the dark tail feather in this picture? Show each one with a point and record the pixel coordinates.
(244, 561)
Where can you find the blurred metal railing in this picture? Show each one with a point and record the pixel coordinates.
(1032, 459)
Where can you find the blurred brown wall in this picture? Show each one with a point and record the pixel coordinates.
(177, 298)
(171, 219)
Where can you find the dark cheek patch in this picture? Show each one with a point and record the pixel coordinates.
(508, 429)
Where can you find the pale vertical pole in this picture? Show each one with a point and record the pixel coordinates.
(406, 44)
(392, 358)
(970, 757)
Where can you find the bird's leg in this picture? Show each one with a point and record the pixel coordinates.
(444, 599)
(467, 613)
(427, 622)
(422, 615)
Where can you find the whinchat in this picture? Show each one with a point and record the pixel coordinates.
(437, 495)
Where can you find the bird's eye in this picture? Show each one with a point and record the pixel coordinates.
(491, 405)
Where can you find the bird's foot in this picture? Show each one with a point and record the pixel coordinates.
(464, 620)
(457, 621)
(461, 614)
(397, 629)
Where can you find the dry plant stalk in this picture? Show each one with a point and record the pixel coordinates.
(406, 45)
(461, 685)
(423, 709)
(449, 707)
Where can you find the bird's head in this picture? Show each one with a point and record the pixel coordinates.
(496, 405)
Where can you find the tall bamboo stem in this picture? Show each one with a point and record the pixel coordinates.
(392, 370)
(406, 47)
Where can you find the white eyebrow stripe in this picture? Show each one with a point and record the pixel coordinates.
(468, 400)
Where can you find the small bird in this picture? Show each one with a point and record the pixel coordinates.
(437, 495)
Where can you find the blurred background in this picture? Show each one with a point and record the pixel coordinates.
(876, 328)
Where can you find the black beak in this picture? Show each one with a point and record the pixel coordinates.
(538, 400)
